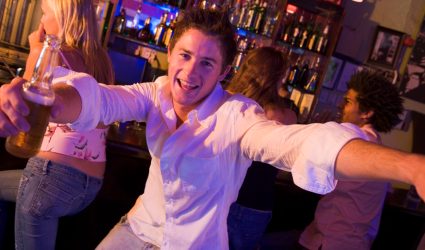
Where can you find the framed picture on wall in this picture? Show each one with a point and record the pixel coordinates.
(406, 118)
(332, 72)
(386, 47)
(412, 84)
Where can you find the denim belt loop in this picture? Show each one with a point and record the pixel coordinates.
(45, 165)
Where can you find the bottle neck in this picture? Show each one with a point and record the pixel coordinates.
(48, 59)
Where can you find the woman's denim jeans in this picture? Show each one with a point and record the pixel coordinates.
(246, 226)
(48, 191)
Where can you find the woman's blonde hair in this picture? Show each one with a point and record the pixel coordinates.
(80, 31)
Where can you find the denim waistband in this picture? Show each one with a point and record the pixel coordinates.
(239, 211)
(43, 166)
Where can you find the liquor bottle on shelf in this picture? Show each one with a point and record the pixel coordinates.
(235, 12)
(213, 6)
(306, 33)
(203, 5)
(160, 30)
(313, 78)
(251, 16)
(145, 34)
(243, 44)
(137, 17)
(322, 41)
(270, 21)
(297, 31)
(314, 37)
(170, 30)
(120, 22)
(304, 74)
(39, 97)
(252, 45)
(294, 74)
(288, 23)
(243, 14)
(260, 17)
(181, 4)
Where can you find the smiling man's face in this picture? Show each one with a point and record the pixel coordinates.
(195, 66)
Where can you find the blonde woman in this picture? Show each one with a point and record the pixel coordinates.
(67, 173)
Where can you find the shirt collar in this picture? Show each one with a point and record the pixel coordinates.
(210, 105)
(165, 103)
(371, 133)
(201, 114)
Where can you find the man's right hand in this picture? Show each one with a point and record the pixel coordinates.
(13, 108)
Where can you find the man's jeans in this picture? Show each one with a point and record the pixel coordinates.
(121, 237)
(48, 191)
(246, 226)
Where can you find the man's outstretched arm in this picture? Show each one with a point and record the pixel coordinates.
(360, 159)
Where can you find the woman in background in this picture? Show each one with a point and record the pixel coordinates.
(259, 78)
(67, 173)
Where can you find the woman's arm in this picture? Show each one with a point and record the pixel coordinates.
(14, 109)
(35, 39)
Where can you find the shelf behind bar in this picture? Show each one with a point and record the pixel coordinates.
(148, 45)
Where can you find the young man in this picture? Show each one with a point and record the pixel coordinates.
(349, 216)
(202, 140)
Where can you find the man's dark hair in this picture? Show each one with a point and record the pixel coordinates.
(213, 23)
(376, 93)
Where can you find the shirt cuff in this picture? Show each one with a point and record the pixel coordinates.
(315, 169)
(88, 89)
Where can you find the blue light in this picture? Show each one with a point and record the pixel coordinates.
(241, 32)
(165, 7)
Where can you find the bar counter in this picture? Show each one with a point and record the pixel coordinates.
(128, 139)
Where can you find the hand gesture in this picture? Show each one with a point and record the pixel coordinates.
(13, 108)
(36, 38)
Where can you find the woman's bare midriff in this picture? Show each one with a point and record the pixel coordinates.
(94, 169)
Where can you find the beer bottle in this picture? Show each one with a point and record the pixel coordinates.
(39, 97)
